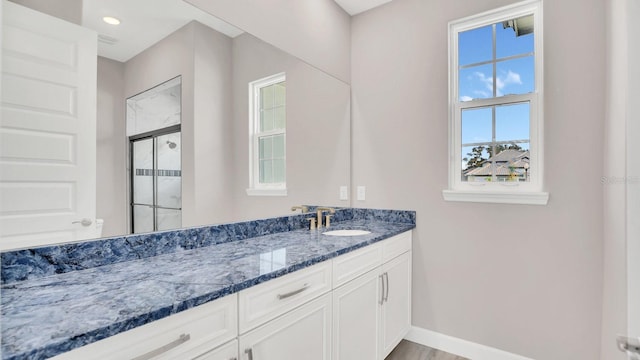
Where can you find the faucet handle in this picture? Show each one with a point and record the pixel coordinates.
(327, 221)
(302, 208)
(312, 223)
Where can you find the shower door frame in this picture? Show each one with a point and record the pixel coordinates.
(144, 136)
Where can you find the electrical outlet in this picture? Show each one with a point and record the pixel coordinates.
(344, 193)
(361, 193)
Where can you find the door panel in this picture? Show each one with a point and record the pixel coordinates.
(48, 129)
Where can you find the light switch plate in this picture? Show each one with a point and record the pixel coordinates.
(344, 193)
(361, 193)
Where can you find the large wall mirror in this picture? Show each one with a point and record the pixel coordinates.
(231, 132)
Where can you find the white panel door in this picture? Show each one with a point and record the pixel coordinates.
(356, 318)
(47, 131)
(396, 307)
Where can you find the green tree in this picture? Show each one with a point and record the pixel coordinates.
(475, 159)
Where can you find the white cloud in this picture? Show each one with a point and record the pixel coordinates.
(508, 79)
(465, 98)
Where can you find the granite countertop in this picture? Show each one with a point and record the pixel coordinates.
(46, 316)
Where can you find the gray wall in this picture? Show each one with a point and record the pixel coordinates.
(202, 56)
(69, 10)
(111, 149)
(524, 279)
(316, 31)
(318, 133)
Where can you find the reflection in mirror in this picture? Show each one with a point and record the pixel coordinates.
(214, 143)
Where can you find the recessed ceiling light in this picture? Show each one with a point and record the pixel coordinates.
(111, 20)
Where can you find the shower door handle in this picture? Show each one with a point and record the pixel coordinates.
(84, 222)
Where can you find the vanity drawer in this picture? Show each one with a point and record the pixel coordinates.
(351, 265)
(184, 335)
(396, 246)
(261, 303)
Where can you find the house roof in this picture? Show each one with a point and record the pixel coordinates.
(517, 160)
(510, 155)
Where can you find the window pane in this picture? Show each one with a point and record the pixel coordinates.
(280, 94)
(476, 82)
(266, 120)
(514, 37)
(266, 147)
(279, 118)
(475, 45)
(278, 170)
(515, 76)
(512, 122)
(476, 125)
(474, 163)
(278, 146)
(266, 95)
(266, 171)
(512, 162)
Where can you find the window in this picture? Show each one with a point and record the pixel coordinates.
(267, 123)
(495, 102)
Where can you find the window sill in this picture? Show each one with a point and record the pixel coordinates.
(267, 192)
(523, 198)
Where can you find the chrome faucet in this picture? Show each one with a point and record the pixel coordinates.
(303, 208)
(319, 211)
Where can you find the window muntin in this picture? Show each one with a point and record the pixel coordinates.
(495, 98)
(268, 136)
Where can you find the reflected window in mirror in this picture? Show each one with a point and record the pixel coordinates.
(267, 121)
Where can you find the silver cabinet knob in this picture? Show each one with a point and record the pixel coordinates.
(84, 222)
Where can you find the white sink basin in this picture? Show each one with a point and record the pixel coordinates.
(348, 232)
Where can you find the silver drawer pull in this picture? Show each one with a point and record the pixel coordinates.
(386, 288)
(381, 289)
(249, 353)
(163, 349)
(294, 292)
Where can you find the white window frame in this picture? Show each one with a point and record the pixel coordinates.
(255, 187)
(497, 192)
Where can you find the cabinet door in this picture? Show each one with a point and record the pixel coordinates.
(356, 317)
(303, 333)
(228, 351)
(396, 309)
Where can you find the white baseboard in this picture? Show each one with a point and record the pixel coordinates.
(459, 347)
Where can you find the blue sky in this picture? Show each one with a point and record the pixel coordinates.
(514, 76)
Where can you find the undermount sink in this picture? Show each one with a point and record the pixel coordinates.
(346, 232)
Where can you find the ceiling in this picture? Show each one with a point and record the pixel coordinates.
(353, 7)
(143, 23)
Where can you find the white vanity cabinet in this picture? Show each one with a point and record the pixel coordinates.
(372, 299)
(355, 306)
(185, 335)
(303, 333)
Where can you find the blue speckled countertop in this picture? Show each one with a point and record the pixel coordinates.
(48, 315)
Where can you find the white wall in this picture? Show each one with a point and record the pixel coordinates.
(316, 31)
(111, 149)
(524, 279)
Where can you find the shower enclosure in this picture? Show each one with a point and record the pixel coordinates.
(156, 181)
(153, 126)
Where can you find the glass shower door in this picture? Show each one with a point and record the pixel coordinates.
(156, 183)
